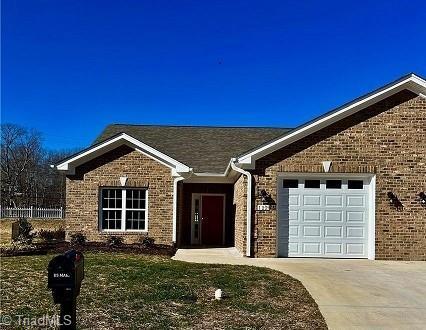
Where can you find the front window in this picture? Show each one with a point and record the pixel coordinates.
(124, 209)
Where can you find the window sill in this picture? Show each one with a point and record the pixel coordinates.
(122, 232)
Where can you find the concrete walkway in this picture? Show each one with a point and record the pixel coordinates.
(351, 294)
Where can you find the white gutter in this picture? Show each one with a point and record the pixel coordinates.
(249, 187)
(175, 196)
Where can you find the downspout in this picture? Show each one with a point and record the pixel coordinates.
(175, 196)
(249, 187)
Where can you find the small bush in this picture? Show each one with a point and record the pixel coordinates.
(78, 239)
(25, 232)
(49, 235)
(148, 241)
(114, 241)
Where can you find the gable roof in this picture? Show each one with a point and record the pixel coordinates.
(205, 149)
(409, 82)
(70, 163)
(210, 149)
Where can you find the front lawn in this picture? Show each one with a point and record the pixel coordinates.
(129, 291)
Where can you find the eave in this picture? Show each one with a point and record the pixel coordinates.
(410, 82)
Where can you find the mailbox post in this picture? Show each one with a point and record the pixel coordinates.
(65, 274)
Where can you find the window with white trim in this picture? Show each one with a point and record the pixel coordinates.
(124, 209)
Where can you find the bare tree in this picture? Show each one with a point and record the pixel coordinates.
(54, 180)
(20, 152)
(26, 175)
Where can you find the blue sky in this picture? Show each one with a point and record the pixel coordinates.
(70, 67)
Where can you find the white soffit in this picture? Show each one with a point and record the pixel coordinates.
(210, 178)
(411, 82)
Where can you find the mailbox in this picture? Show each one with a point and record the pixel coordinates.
(65, 274)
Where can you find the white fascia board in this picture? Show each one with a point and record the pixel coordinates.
(413, 83)
(122, 139)
(228, 176)
(210, 174)
(209, 178)
(229, 167)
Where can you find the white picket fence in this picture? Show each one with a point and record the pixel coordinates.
(31, 212)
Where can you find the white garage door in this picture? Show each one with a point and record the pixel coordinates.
(323, 217)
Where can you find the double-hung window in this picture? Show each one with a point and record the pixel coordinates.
(124, 209)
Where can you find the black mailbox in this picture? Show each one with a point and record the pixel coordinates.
(65, 274)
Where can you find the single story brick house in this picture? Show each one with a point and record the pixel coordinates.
(349, 184)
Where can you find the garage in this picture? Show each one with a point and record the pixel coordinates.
(329, 216)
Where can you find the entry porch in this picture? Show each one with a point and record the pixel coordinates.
(206, 215)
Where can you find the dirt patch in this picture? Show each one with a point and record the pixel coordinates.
(61, 247)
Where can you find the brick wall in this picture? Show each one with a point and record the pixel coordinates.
(83, 193)
(240, 210)
(387, 139)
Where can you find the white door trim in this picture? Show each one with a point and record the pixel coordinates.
(372, 219)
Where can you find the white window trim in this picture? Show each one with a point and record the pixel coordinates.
(123, 210)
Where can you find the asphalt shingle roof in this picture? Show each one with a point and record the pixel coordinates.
(205, 149)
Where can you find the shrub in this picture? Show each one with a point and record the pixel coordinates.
(78, 239)
(148, 241)
(25, 234)
(48, 235)
(113, 241)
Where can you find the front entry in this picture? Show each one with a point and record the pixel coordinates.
(208, 217)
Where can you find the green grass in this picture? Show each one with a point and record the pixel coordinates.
(122, 291)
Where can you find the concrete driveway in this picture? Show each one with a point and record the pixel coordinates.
(351, 294)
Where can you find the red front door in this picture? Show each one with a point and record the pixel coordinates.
(212, 220)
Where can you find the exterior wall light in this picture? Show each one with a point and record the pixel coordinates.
(394, 201)
(264, 196)
(267, 202)
(422, 198)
